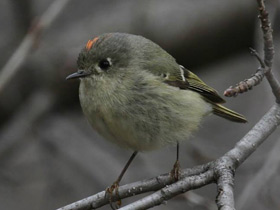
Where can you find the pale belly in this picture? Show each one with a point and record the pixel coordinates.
(146, 122)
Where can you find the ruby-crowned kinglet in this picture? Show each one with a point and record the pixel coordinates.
(136, 95)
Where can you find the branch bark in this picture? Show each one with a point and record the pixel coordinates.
(170, 191)
(195, 177)
(255, 185)
(265, 68)
(128, 190)
(220, 171)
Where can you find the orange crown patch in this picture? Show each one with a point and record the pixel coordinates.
(91, 42)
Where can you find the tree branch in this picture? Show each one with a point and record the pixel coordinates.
(170, 191)
(135, 188)
(266, 63)
(17, 59)
(255, 185)
(194, 177)
(245, 85)
(220, 171)
(225, 182)
(267, 34)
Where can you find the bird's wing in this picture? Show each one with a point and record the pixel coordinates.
(185, 79)
(177, 79)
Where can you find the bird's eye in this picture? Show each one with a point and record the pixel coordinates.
(104, 64)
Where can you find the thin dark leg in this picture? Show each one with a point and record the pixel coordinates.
(126, 166)
(178, 150)
(175, 172)
(115, 185)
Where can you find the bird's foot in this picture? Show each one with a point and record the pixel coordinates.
(113, 190)
(176, 171)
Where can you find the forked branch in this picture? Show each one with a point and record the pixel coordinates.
(220, 171)
(265, 68)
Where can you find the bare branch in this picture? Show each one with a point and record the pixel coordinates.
(191, 177)
(225, 183)
(274, 84)
(255, 137)
(267, 34)
(169, 191)
(259, 181)
(256, 54)
(245, 85)
(135, 188)
(266, 63)
(268, 49)
(27, 44)
(248, 84)
(220, 171)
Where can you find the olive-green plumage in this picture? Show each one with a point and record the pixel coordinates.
(135, 94)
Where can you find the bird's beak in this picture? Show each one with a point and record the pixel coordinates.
(78, 74)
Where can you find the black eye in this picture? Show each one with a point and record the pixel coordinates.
(104, 64)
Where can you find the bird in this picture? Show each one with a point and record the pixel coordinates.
(137, 96)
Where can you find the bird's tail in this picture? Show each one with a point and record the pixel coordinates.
(227, 113)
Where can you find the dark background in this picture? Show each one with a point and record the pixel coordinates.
(49, 154)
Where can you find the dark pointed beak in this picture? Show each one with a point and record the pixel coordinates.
(78, 74)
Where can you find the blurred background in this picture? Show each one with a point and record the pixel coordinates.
(49, 154)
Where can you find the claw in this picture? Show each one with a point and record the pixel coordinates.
(176, 171)
(115, 186)
(109, 193)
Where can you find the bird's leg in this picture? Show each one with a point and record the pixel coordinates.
(115, 185)
(175, 172)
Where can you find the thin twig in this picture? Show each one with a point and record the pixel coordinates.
(220, 171)
(128, 190)
(17, 59)
(266, 63)
(268, 49)
(242, 150)
(169, 191)
(256, 54)
(229, 162)
(267, 34)
(245, 85)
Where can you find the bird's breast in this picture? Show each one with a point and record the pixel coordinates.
(143, 118)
